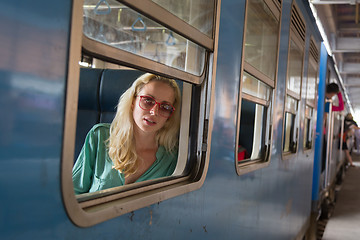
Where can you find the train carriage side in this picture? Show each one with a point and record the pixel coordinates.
(248, 117)
(276, 186)
(330, 161)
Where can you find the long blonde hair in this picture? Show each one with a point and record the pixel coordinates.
(121, 143)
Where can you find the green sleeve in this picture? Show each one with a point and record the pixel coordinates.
(83, 169)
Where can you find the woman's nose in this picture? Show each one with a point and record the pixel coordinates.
(155, 110)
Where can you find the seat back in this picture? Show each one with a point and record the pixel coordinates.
(88, 104)
(113, 84)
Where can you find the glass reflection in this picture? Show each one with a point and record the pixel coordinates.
(291, 104)
(261, 38)
(198, 13)
(295, 68)
(254, 87)
(311, 83)
(116, 25)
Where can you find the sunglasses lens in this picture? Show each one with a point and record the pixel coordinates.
(166, 109)
(147, 103)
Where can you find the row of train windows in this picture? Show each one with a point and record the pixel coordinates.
(121, 41)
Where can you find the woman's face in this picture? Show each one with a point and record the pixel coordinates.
(150, 121)
(329, 95)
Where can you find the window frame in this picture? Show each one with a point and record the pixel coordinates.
(297, 24)
(313, 61)
(314, 55)
(253, 165)
(142, 194)
(310, 118)
(249, 165)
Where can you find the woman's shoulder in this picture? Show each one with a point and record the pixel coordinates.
(100, 127)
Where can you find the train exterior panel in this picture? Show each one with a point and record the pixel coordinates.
(273, 202)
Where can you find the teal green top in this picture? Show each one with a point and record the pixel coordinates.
(93, 169)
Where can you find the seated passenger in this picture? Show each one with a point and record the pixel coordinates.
(141, 142)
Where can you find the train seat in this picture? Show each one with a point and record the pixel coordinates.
(113, 84)
(88, 104)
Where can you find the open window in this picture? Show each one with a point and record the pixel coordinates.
(254, 131)
(112, 44)
(293, 83)
(311, 92)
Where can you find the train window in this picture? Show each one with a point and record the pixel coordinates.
(252, 138)
(121, 27)
(256, 88)
(293, 83)
(311, 90)
(255, 125)
(254, 129)
(308, 127)
(115, 43)
(312, 81)
(261, 41)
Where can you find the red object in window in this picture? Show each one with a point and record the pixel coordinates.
(242, 154)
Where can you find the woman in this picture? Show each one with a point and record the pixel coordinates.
(141, 142)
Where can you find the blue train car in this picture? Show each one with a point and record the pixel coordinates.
(249, 73)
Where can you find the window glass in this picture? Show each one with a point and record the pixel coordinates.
(290, 138)
(311, 83)
(252, 136)
(291, 104)
(254, 87)
(261, 44)
(308, 135)
(197, 13)
(116, 25)
(308, 111)
(295, 68)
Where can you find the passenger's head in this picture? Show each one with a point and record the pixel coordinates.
(147, 89)
(146, 106)
(331, 90)
(349, 117)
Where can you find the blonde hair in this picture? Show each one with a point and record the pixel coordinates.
(121, 143)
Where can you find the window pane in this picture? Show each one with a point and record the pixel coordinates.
(311, 83)
(291, 104)
(261, 38)
(295, 68)
(254, 87)
(252, 134)
(308, 134)
(120, 27)
(290, 138)
(308, 111)
(308, 127)
(197, 13)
